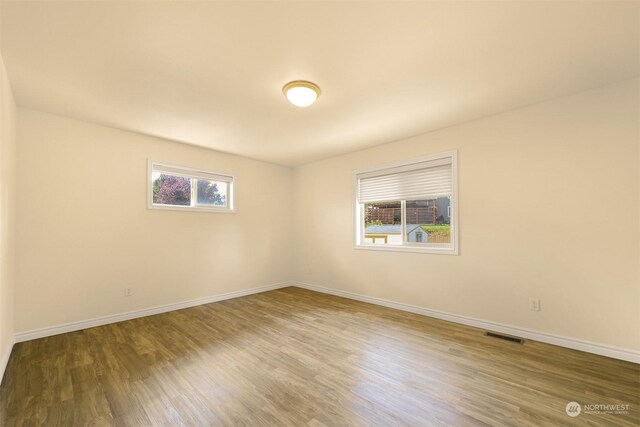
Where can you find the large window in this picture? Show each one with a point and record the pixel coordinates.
(409, 206)
(178, 187)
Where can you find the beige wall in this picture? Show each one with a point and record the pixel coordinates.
(7, 213)
(549, 208)
(85, 233)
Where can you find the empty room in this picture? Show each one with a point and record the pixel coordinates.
(319, 213)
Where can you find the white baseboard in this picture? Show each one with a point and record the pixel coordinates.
(5, 357)
(589, 347)
(105, 320)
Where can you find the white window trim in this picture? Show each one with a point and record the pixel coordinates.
(452, 249)
(230, 208)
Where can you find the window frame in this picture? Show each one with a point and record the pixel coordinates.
(434, 248)
(186, 170)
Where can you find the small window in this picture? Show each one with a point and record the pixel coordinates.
(182, 188)
(409, 206)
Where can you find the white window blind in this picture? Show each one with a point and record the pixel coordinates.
(190, 173)
(416, 181)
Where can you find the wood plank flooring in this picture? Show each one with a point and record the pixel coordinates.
(296, 357)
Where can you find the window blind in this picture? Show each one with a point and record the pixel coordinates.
(178, 171)
(417, 181)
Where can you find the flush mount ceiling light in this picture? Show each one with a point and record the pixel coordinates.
(301, 93)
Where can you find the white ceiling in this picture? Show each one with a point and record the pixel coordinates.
(211, 73)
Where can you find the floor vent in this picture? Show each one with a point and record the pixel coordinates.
(504, 337)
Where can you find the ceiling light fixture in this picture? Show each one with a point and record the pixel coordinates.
(301, 93)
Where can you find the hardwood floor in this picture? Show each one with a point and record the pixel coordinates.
(296, 357)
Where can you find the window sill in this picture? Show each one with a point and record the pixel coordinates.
(191, 209)
(427, 250)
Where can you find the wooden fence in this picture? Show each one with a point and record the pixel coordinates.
(421, 215)
(439, 238)
(425, 215)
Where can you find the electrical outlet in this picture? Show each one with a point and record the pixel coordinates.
(534, 304)
(128, 292)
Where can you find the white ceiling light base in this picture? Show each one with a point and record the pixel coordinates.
(301, 93)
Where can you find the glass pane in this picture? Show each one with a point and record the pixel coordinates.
(428, 221)
(382, 223)
(171, 190)
(212, 193)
